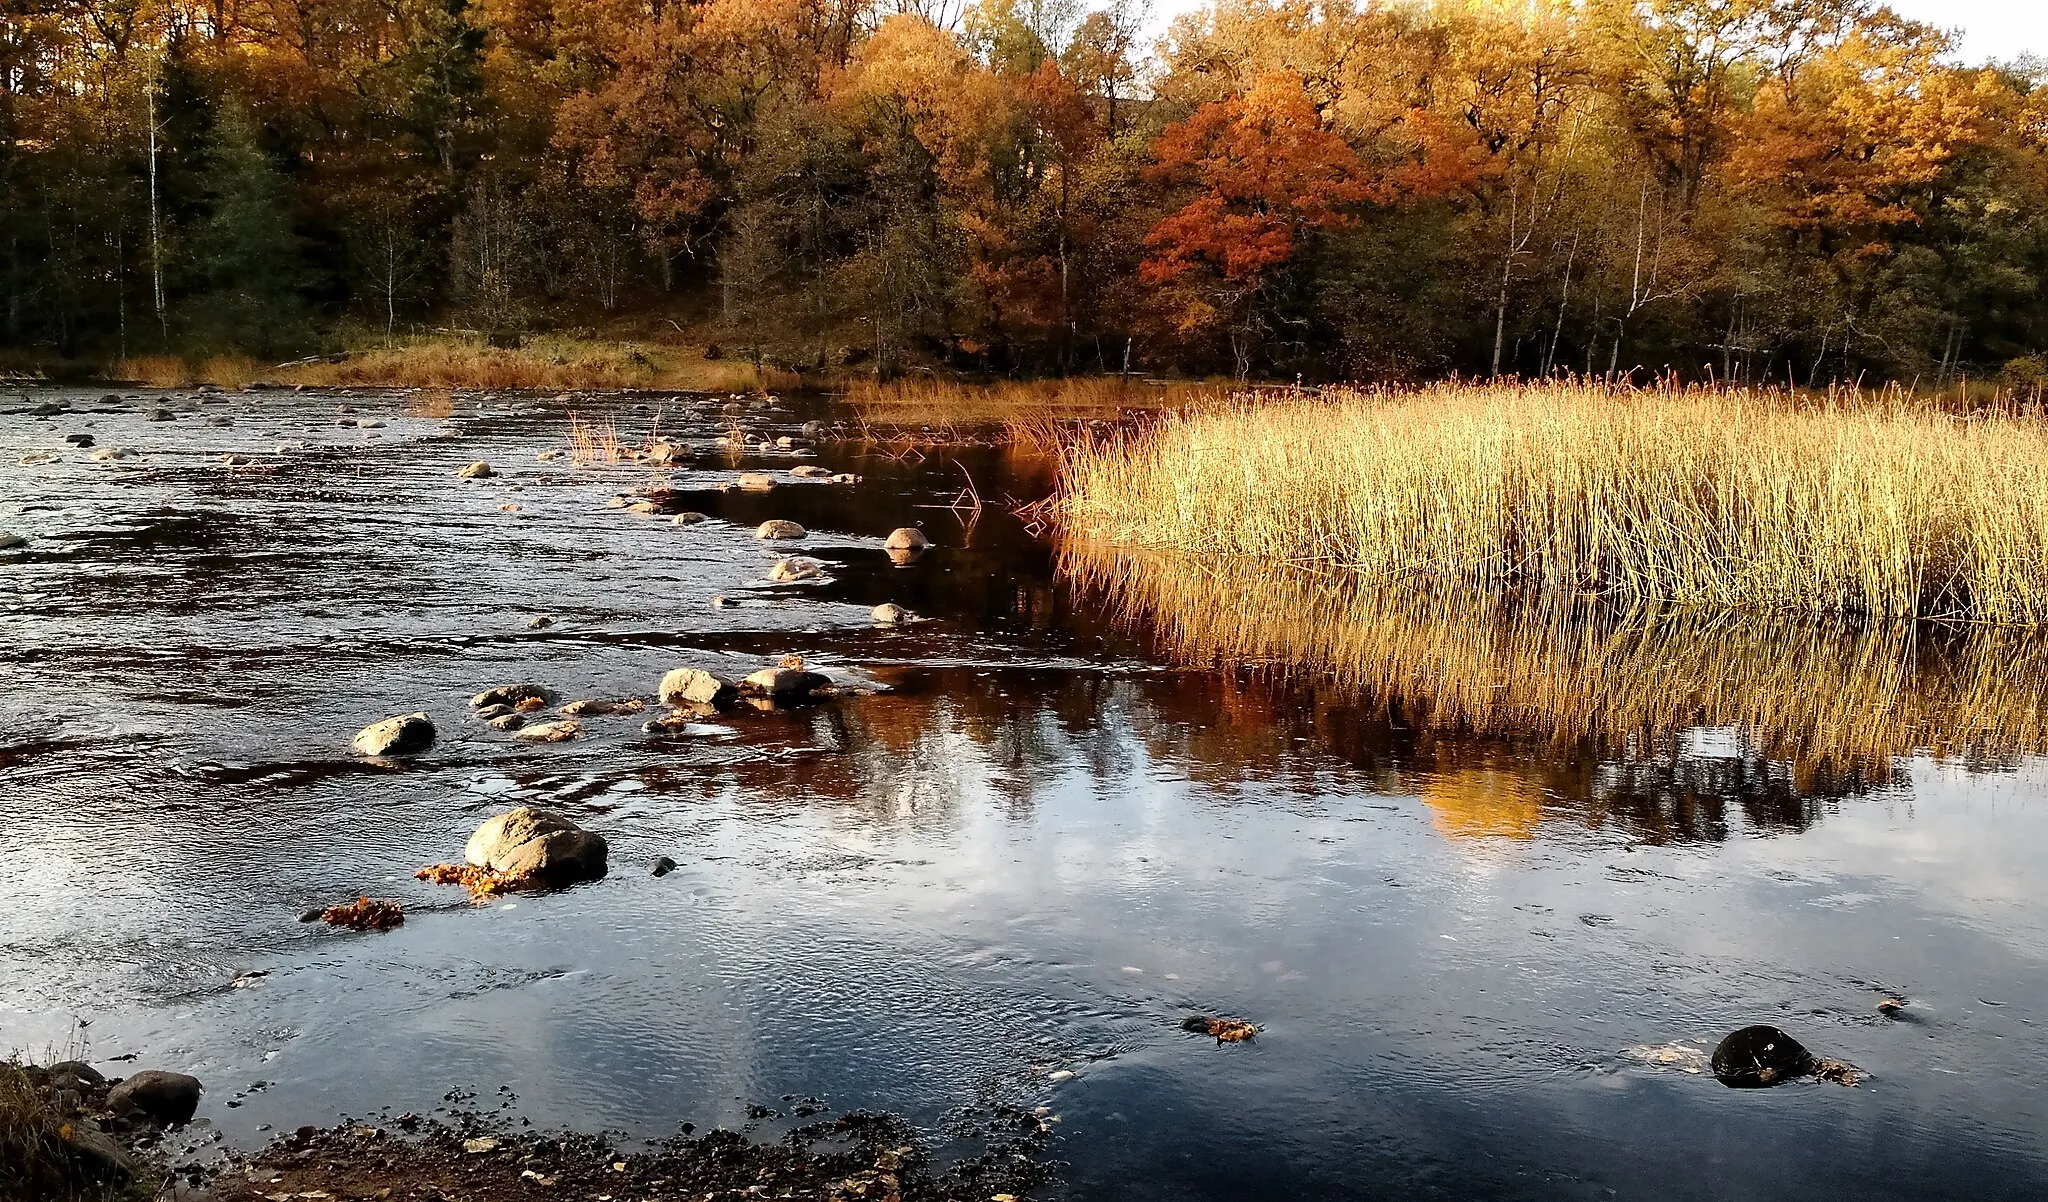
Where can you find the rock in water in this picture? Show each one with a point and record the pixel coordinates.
(695, 686)
(664, 866)
(166, 1099)
(407, 734)
(906, 538)
(811, 471)
(778, 530)
(513, 694)
(787, 571)
(475, 471)
(537, 846)
(688, 518)
(550, 732)
(1757, 1056)
(756, 481)
(783, 683)
(10, 540)
(888, 613)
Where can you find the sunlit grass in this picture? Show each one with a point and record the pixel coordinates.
(544, 362)
(1850, 504)
(1045, 414)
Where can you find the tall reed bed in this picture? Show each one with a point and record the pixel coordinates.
(1851, 504)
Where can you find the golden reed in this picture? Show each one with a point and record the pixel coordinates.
(1873, 505)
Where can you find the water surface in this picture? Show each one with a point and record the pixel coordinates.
(1462, 869)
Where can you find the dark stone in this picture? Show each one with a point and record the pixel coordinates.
(664, 866)
(166, 1099)
(1758, 1056)
(513, 694)
(79, 440)
(159, 415)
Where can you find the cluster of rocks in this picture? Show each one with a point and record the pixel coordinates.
(101, 1127)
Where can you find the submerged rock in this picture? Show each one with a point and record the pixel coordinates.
(694, 685)
(778, 531)
(788, 571)
(166, 1099)
(756, 481)
(475, 471)
(539, 622)
(513, 694)
(509, 720)
(537, 846)
(109, 454)
(783, 683)
(598, 707)
(664, 866)
(906, 538)
(1758, 1056)
(79, 440)
(159, 414)
(10, 540)
(406, 734)
(550, 732)
(643, 507)
(811, 471)
(688, 518)
(667, 454)
(888, 613)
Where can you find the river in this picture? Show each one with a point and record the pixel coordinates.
(1488, 896)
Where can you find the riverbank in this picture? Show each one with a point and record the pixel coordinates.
(1871, 505)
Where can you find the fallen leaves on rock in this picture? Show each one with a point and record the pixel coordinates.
(1840, 1072)
(481, 882)
(1226, 1030)
(365, 914)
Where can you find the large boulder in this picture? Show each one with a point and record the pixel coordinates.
(694, 686)
(166, 1099)
(888, 613)
(475, 471)
(1758, 1056)
(906, 538)
(406, 734)
(779, 530)
(537, 846)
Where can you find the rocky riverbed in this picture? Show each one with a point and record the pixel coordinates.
(979, 844)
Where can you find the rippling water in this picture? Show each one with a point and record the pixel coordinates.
(1459, 882)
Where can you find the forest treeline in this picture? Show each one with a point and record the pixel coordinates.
(1793, 190)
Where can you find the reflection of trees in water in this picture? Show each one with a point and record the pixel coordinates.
(916, 756)
(1596, 709)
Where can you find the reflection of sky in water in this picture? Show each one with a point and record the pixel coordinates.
(1037, 855)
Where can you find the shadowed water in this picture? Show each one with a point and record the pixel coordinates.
(1461, 866)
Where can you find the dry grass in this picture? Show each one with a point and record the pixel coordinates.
(1850, 504)
(1042, 414)
(455, 362)
(37, 1161)
(1828, 698)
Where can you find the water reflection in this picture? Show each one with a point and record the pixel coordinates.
(1660, 721)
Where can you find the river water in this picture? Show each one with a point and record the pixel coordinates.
(1488, 891)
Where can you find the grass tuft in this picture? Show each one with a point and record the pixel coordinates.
(1859, 504)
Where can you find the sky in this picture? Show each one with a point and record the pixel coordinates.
(1991, 29)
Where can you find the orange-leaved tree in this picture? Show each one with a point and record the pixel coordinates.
(1263, 173)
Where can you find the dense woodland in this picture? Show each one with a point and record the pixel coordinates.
(1802, 190)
